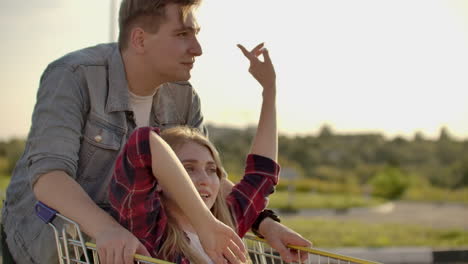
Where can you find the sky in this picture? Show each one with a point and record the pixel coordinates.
(394, 67)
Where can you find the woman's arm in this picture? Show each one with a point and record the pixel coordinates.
(265, 142)
(249, 197)
(218, 240)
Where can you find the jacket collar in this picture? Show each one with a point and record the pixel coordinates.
(118, 97)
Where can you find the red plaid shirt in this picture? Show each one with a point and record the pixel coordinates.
(137, 205)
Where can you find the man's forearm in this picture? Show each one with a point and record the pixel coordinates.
(61, 192)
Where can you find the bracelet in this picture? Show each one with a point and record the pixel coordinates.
(264, 214)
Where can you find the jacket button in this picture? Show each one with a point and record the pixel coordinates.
(98, 138)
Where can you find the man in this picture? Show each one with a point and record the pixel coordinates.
(88, 103)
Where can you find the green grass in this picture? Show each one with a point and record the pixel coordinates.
(433, 194)
(4, 181)
(335, 233)
(344, 195)
(319, 200)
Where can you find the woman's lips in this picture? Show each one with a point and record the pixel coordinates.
(204, 194)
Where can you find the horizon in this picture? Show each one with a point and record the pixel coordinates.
(316, 133)
(352, 133)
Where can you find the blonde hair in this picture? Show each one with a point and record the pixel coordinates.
(147, 14)
(176, 241)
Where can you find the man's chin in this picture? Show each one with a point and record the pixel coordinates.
(187, 77)
(182, 78)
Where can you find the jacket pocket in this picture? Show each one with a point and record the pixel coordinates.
(99, 149)
(101, 135)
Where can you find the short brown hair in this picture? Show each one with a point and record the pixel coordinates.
(147, 14)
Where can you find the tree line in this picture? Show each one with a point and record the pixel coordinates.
(358, 158)
(340, 158)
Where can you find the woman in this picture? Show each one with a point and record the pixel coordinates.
(166, 188)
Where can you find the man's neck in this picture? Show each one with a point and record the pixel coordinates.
(140, 81)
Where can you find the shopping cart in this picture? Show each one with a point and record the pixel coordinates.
(72, 247)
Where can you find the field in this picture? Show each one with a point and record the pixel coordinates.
(4, 180)
(353, 220)
(391, 224)
(301, 200)
(326, 233)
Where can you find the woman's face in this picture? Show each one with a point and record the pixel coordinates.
(200, 165)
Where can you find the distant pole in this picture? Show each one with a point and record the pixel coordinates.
(112, 21)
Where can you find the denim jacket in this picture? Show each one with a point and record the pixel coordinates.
(81, 121)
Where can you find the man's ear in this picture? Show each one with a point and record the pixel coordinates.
(137, 39)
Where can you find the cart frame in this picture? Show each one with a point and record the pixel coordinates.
(72, 247)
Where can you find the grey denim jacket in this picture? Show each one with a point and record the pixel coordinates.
(81, 121)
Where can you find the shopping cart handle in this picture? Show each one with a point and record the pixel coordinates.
(44, 212)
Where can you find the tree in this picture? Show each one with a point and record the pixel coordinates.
(325, 131)
(444, 134)
(390, 183)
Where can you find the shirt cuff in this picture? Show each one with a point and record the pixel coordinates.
(262, 164)
(46, 165)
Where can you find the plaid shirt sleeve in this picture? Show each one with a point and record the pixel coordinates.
(135, 202)
(249, 197)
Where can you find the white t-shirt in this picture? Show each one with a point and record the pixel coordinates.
(195, 243)
(141, 106)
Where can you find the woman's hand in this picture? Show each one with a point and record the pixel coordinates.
(222, 244)
(262, 71)
(279, 237)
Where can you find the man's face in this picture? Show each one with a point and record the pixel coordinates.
(170, 53)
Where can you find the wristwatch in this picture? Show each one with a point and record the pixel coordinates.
(264, 214)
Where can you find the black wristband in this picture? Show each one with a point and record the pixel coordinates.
(264, 214)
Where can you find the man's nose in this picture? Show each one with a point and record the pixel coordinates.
(196, 49)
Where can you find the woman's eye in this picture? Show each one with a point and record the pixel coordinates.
(212, 170)
(189, 169)
(182, 34)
